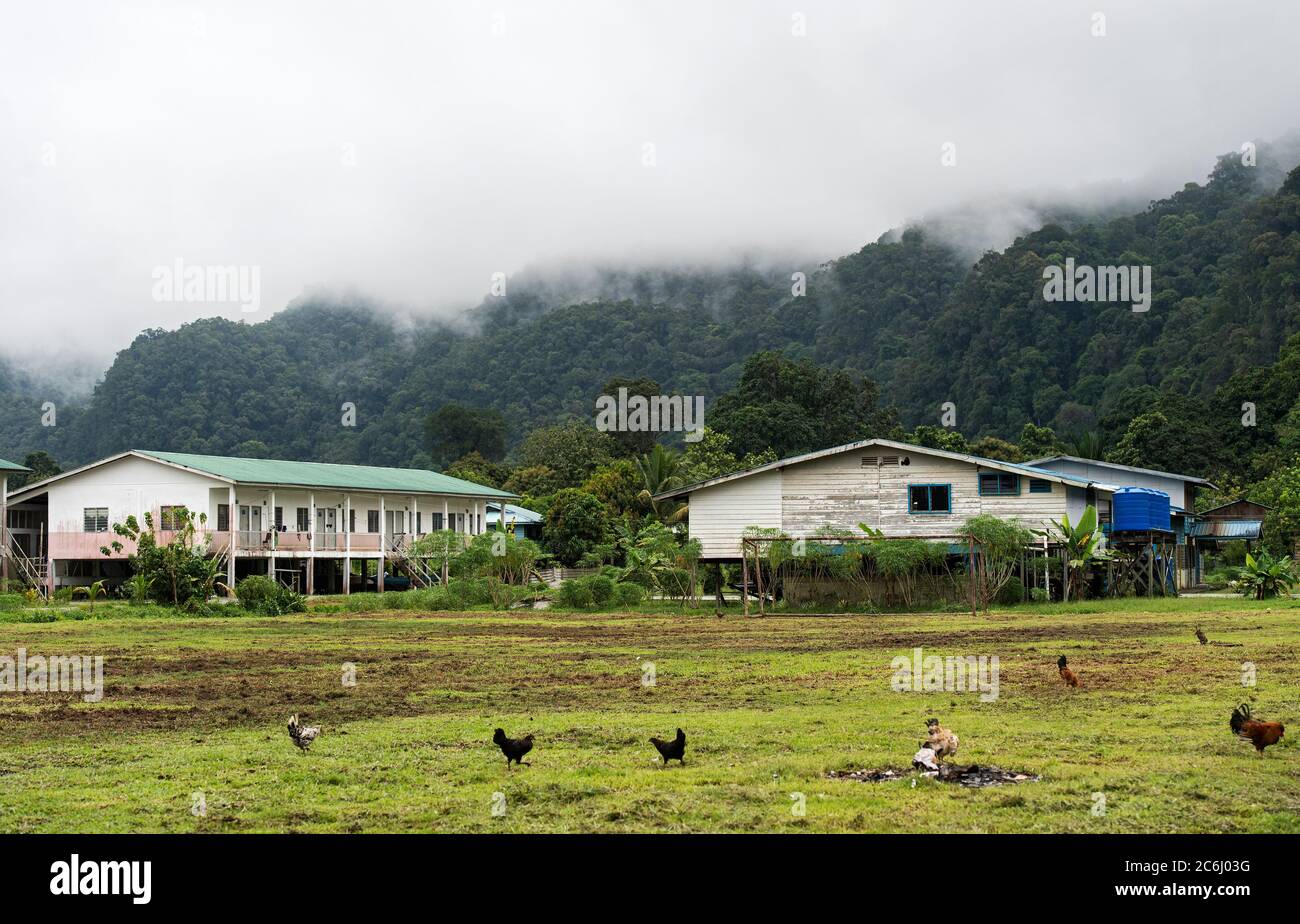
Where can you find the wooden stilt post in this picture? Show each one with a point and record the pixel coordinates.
(4, 534)
(744, 574)
(971, 575)
(1150, 550)
(347, 544)
(232, 524)
(383, 542)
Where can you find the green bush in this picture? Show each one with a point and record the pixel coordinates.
(630, 594)
(576, 594)
(469, 592)
(11, 601)
(602, 589)
(265, 597)
(1012, 592)
(1038, 595)
(599, 591)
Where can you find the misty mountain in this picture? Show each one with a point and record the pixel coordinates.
(911, 311)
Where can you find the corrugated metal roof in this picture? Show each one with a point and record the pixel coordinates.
(1194, 479)
(325, 475)
(995, 464)
(520, 515)
(12, 467)
(1226, 529)
(1240, 500)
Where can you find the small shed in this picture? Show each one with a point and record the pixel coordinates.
(527, 523)
(1237, 520)
(1237, 510)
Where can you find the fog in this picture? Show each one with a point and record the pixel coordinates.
(409, 151)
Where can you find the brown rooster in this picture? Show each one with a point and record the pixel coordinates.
(1071, 679)
(1260, 734)
(941, 743)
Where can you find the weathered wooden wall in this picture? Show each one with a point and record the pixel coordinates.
(841, 492)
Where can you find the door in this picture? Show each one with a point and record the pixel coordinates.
(326, 528)
(250, 525)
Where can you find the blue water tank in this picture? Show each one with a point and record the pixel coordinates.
(1140, 510)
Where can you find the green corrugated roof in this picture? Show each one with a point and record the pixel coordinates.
(12, 467)
(325, 475)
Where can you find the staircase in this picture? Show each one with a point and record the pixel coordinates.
(421, 576)
(30, 570)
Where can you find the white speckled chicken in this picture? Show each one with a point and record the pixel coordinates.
(302, 736)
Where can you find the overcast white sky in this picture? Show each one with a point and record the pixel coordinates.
(489, 136)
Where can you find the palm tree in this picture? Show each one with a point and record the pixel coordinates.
(1088, 445)
(92, 592)
(659, 470)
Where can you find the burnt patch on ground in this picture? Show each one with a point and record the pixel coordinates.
(974, 776)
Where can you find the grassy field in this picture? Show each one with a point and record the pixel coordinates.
(770, 707)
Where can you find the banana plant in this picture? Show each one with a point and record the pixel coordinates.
(1084, 543)
(1265, 577)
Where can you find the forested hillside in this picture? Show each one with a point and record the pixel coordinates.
(905, 312)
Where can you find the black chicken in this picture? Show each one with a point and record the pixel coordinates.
(671, 750)
(513, 748)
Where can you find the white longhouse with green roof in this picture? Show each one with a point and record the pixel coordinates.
(310, 524)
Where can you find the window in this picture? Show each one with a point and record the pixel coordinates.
(96, 519)
(279, 518)
(929, 498)
(223, 517)
(1040, 486)
(419, 524)
(22, 519)
(437, 521)
(352, 520)
(304, 519)
(372, 521)
(999, 483)
(171, 519)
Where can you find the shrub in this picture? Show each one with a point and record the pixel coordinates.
(177, 571)
(1038, 595)
(469, 592)
(1012, 593)
(629, 594)
(261, 595)
(576, 594)
(602, 589)
(998, 549)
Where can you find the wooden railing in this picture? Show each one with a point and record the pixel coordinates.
(399, 548)
(34, 572)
